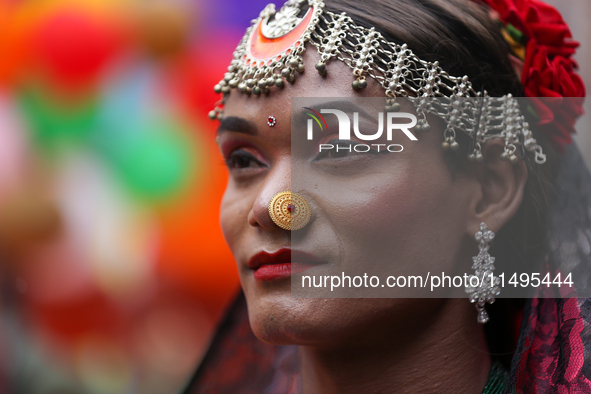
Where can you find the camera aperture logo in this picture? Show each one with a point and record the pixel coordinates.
(391, 119)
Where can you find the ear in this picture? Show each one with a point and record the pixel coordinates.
(501, 187)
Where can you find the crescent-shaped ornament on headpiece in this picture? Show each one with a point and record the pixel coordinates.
(278, 34)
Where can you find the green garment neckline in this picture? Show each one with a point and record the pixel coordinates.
(498, 379)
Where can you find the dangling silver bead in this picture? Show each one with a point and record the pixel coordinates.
(321, 67)
(482, 316)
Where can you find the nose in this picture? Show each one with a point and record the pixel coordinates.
(278, 180)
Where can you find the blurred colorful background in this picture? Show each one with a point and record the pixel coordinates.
(113, 269)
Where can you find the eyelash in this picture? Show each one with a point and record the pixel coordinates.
(231, 160)
(325, 154)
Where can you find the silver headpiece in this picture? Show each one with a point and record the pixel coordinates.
(271, 53)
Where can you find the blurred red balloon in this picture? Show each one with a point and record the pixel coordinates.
(73, 46)
(199, 71)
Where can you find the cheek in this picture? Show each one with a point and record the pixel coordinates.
(415, 213)
(393, 221)
(388, 201)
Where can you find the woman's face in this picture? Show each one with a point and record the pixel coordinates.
(403, 209)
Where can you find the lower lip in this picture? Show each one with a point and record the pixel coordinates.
(277, 271)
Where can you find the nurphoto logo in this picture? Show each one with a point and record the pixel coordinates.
(392, 120)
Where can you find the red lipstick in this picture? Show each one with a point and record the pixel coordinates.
(280, 264)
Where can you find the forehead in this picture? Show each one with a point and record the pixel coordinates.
(336, 83)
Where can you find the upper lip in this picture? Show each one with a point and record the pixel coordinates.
(283, 255)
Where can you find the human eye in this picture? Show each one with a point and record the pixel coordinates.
(343, 149)
(241, 159)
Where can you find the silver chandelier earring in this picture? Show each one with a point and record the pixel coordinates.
(483, 286)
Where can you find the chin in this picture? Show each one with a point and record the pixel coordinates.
(283, 320)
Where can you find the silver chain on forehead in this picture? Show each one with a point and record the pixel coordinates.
(393, 66)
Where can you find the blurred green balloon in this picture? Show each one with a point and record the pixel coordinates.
(53, 121)
(158, 163)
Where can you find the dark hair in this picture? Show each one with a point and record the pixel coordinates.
(457, 33)
(461, 36)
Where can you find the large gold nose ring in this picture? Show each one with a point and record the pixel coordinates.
(289, 210)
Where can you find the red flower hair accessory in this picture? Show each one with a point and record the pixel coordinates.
(539, 36)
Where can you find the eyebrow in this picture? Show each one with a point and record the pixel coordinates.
(238, 125)
(241, 125)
